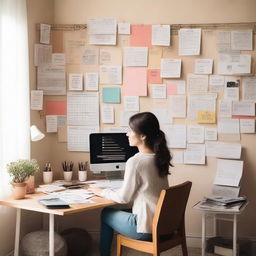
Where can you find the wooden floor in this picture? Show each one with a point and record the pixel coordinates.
(173, 252)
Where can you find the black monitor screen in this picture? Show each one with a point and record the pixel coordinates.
(110, 148)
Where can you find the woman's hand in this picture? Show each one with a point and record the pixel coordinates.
(96, 190)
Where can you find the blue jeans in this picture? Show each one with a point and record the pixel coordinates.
(123, 222)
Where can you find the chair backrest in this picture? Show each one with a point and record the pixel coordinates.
(170, 210)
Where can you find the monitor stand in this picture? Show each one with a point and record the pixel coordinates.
(114, 175)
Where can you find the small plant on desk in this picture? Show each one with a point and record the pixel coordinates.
(20, 171)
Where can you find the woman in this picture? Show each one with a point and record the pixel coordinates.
(145, 176)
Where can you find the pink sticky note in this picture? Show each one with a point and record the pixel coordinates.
(141, 35)
(56, 108)
(171, 89)
(154, 76)
(135, 81)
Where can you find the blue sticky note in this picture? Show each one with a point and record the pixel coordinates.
(111, 95)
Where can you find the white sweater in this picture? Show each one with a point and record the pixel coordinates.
(142, 186)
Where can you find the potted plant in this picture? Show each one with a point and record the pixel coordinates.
(20, 170)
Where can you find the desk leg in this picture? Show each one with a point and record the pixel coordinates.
(17, 233)
(235, 235)
(51, 234)
(203, 233)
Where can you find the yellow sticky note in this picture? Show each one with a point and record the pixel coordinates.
(206, 117)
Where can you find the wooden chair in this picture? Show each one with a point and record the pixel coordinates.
(168, 227)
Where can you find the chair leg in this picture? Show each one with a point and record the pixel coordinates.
(184, 247)
(118, 247)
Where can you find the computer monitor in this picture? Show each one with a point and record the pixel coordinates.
(109, 152)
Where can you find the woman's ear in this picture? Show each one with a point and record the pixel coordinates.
(143, 137)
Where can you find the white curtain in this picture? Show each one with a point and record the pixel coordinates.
(14, 87)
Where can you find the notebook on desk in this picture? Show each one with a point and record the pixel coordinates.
(54, 203)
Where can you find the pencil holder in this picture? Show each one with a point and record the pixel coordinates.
(47, 177)
(67, 176)
(82, 175)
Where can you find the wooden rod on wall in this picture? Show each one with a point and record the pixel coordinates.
(174, 27)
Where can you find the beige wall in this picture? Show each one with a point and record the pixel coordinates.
(156, 11)
(148, 12)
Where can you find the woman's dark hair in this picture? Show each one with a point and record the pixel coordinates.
(146, 124)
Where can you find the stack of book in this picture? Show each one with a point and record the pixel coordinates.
(225, 201)
(222, 203)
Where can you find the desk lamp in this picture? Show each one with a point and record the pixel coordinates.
(35, 133)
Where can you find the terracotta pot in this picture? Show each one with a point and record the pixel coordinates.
(19, 190)
(30, 185)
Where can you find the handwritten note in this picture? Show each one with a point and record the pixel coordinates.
(206, 117)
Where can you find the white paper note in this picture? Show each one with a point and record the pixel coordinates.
(189, 41)
(177, 156)
(210, 133)
(223, 149)
(231, 93)
(229, 172)
(158, 91)
(110, 75)
(178, 106)
(107, 115)
(234, 64)
(90, 56)
(249, 88)
(78, 137)
(51, 79)
(135, 56)
(58, 59)
(247, 126)
(124, 28)
(42, 55)
(161, 35)
(75, 82)
(36, 101)
(83, 108)
(194, 154)
(195, 134)
(197, 102)
(242, 39)
(170, 68)
(203, 66)
(228, 126)
(51, 123)
(176, 136)
(224, 41)
(91, 81)
(45, 31)
(225, 108)
(216, 83)
(102, 26)
(131, 103)
(225, 191)
(197, 83)
(243, 108)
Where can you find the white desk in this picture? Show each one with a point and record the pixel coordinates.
(218, 214)
(30, 203)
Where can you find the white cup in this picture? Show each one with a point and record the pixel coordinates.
(82, 175)
(67, 176)
(47, 177)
